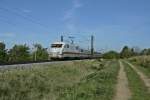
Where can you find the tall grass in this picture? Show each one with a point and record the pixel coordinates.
(42, 82)
(138, 89)
(96, 86)
(85, 80)
(143, 63)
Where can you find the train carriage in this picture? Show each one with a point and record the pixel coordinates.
(62, 50)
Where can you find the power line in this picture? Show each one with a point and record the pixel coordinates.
(13, 25)
(7, 22)
(23, 17)
(81, 39)
(28, 17)
(76, 38)
(17, 9)
(31, 19)
(79, 36)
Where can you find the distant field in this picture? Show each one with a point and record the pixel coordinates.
(85, 80)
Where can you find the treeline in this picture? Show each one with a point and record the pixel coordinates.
(22, 53)
(126, 52)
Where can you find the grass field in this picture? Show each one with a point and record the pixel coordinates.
(86, 80)
(143, 63)
(138, 89)
(77, 80)
(99, 85)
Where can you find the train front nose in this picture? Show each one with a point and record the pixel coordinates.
(55, 53)
(56, 50)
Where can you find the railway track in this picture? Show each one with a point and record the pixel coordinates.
(33, 64)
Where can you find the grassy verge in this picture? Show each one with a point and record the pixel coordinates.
(42, 82)
(142, 63)
(138, 89)
(99, 85)
(86, 80)
(143, 69)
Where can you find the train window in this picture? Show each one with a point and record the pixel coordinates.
(77, 47)
(56, 45)
(67, 45)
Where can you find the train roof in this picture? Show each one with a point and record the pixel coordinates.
(63, 43)
(59, 43)
(73, 44)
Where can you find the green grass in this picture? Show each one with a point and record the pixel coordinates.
(41, 83)
(142, 63)
(138, 89)
(85, 80)
(99, 85)
(143, 69)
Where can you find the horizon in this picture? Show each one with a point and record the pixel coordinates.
(113, 23)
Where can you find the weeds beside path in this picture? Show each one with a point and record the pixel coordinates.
(137, 87)
(99, 85)
(142, 75)
(86, 80)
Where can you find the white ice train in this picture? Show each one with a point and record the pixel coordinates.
(64, 50)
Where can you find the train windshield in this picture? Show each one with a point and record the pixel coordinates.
(56, 45)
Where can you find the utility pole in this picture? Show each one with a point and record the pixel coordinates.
(35, 55)
(62, 38)
(72, 39)
(92, 45)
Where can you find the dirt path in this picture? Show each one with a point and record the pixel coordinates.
(142, 76)
(122, 89)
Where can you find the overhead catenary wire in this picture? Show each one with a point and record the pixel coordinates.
(31, 19)
(15, 10)
(80, 39)
(7, 22)
(23, 17)
(11, 23)
(79, 36)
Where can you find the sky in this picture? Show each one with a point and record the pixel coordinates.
(114, 23)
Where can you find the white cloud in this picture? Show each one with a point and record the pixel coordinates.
(26, 11)
(77, 4)
(69, 15)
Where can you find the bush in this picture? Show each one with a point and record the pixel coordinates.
(143, 61)
(111, 55)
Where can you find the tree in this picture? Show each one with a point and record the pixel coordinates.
(137, 50)
(126, 52)
(39, 53)
(3, 53)
(19, 53)
(111, 55)
(145, 52)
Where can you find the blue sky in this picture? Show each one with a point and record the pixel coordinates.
(114, 23)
